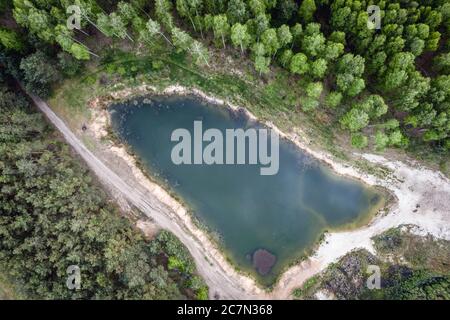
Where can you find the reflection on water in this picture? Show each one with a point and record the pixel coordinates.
(263, 222)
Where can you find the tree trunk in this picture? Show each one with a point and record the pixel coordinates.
(201, 28)
(84, 46)
(128, 36)
(206, 61)
(192, 21)
(96, 27)
(166, 38)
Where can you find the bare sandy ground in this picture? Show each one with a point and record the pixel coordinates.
(423, 199)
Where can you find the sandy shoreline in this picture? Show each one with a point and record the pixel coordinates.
(411, 186)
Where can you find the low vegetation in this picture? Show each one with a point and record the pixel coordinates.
(412, 267)
(315, 64)
(388, 82)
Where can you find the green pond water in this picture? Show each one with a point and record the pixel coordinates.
(283, 214)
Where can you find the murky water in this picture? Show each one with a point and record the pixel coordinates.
(283, 214)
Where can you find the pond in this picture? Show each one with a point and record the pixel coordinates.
(262, 222)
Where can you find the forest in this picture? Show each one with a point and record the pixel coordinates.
(390, 85)
(417, 270)
(53, 215)
(387, 87)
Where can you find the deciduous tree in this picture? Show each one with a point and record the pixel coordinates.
(299, 64)
(239, 36)
(221, 27)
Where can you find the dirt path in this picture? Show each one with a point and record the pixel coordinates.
(213, 274)
(423, 199)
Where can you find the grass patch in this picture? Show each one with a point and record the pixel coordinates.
(276, 101)
(9, 290)
(412, 267)
(308, 287)
(415, 251)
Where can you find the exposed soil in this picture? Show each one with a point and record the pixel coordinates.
(411, 184)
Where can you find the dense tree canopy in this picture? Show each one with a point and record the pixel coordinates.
(406, 62)
(388, 87)
(53, 216)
